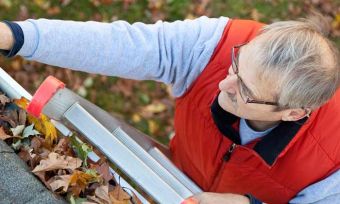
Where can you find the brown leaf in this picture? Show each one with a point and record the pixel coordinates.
(42, 176)
(56, 161)
(22, 117)
(24, 155)
(36, 143)
(104, 171)
(3, 134)
(135, 199)
(4, 99)
(29, 157)
(124, 86)
(102, 192)
(11, 117)
(65, 2)
(16, 64)
(256, 15)
(58, 182)
(63, 147)
(96, 200)
(53, 10)
(44, 152)
(76, 190)
(119, 195)
(23, 13)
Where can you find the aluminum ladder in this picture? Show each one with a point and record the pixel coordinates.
(140, 158)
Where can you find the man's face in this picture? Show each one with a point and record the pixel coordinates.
(233, 93)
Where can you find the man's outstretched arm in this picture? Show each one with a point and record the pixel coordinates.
(174, 53)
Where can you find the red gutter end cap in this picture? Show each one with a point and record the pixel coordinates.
(44, 93)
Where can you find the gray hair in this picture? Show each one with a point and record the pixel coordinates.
(304, 61)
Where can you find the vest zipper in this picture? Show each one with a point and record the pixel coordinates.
(227, 155)
(225, 158)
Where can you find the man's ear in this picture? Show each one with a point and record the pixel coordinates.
(293, 114)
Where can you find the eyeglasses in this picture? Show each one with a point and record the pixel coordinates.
(244, 90)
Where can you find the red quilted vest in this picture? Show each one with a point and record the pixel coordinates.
(199, 148)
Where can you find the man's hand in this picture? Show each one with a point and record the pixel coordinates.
(213, 198)
(6, 37)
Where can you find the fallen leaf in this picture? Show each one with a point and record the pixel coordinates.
(22, 117)
(36, 143)
(25, 155)
(336, 22)
(104, 171)
(155, 107)
(153, 126)
(43, 4)
(44, 126)
(77, 200)
(63, 147)
(96, 200)
(22, 103)
(16, 64)
(23, 13)
(42, 176)
(4, 99)
(81, 180)
(29, 131)
(3, 134)
(65, 2)
(58, 182)
(29, 157)
(256, 15)
(135, 199)
(53, 10)
(50, 131)
(10, 116)
(17, 130)
(136, 118)
(80, 148)
(119, 195)
(17, 145)
(56, 161)
(103, 193)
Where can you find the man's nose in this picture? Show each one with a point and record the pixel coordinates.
(229, 84)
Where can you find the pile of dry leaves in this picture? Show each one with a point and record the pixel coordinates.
(61, 163)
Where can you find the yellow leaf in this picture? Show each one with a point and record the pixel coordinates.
(156, 107)
(136, 118)
(82, 179)
(336, 22)
(153, 126)
(337, 18)
(37, 124)
(44, 126)
(50, 130)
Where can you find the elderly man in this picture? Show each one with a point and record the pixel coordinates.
(257, 112)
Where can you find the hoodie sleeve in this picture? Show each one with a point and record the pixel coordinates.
(174, 53)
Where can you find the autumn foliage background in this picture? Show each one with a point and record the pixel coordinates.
(146, 105)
